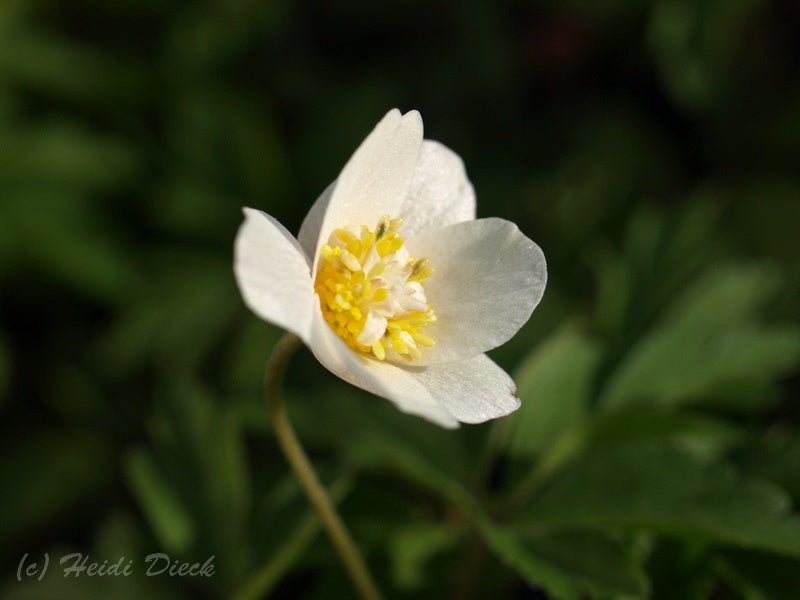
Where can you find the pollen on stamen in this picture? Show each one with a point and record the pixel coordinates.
(364, 278)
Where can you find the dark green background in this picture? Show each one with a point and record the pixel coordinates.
(651, 148)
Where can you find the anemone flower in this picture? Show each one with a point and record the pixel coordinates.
(393, 283)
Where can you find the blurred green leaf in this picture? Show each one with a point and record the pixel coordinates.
(175, 320)
(412, 546)
(761, 210)
(661, 487)
(369, 430)
(54, 473)
(554, 384)
(704, 437)
(209, 34)
(661, 252)
(760, 576)
(201, 449)
(68, 243)
(295, 536)
(61, 156)
(679, 568)
(168, 518)
(567, 566)
(598, 178)
(696, 46)
(49, 63)
(776, 457)
(381, 450)
(711, 337)
(245, 365)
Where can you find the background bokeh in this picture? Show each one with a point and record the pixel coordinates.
(650, 147)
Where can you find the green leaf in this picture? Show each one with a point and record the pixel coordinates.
(168, 518)
(175, 321)
(567, 566)
(595, 564)
(711, 338)
(664, 488)
(62, 156)
(296, 536)
(705, 437)
(78, 252)
(414, 545)
(760, 576)
(200, 446)
(381, 450)
(244, 365)
(696, 45)
(678, 569)
(368, 430)
(554, 383)
(62, 67)
(384, 452)
(54, 473)
(777, 458)
(661, 253)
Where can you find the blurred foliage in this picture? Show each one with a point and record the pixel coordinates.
(650, 147)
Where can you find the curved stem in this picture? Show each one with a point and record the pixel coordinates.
(348, 551)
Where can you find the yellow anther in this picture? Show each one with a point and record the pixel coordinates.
(350, 261)
(341, 302)
(383, 227)
(389, 245)
(423, 339)
(327, 252)
(376, 270)
(399, 344)
(367, 241)
(345, 236)
(420, 270)
(366, 290)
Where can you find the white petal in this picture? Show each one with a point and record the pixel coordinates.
(309, 230)
(440, 193)
(401, 386)
(473, 390)
(376, 179)
(488, 277)
(273, 274)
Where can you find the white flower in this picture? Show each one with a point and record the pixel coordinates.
(392, 282)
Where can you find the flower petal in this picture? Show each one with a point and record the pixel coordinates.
(473, 390)
(376, 179)
(440, 193)
(273, 274)
(309, 230)
(488, 277)
(401, 386)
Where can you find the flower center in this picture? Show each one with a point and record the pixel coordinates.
(370, 291)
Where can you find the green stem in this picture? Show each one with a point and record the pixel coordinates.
(348, 551)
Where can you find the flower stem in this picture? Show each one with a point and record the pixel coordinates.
(348, 551)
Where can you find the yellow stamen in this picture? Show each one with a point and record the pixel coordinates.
(357, 270)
